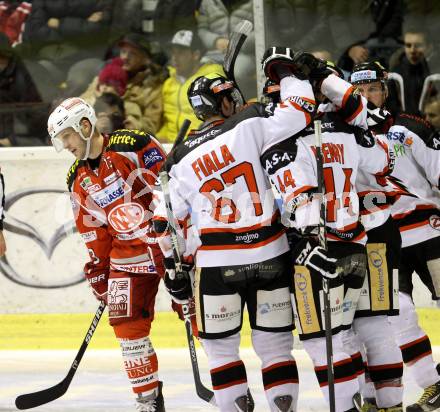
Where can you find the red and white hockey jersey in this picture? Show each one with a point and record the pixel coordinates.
(417, 170)
(113, 204)
(216, 176)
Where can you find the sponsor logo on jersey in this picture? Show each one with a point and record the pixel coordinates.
(89, 236)
(223, 314)
(135, 268)
(111, 193)
(434, 222)
(111, 178)
(435, 143)
(305, 105)
(119, 304)
(200, 139)
(151, 157)
(247, 238)
(94, 188)
(86, 183)
(126, 217)
(375, 259)
(279, 159)
(122, 139)
(393, 136)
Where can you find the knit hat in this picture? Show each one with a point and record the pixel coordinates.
(113, 74)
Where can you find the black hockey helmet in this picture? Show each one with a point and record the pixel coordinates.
(206, 93)
(368, 72)
(271, 91)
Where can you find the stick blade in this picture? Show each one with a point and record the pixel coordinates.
(236, 40)
(34, 399)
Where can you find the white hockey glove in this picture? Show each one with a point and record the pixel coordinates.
(307, 253)
(178, 285)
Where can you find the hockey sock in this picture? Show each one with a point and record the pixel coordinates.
(228, 374)
(140, 362)
(278, 367)
(385, 366)
(414, 343)
(346, 383)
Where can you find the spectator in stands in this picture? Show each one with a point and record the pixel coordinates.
(186, 52)
(13, 15)
(143, 94)
(295, 21)
(64, 32)
(17, 86)
(410, 62)
(110, 112)
(365, 30)
(432, 111)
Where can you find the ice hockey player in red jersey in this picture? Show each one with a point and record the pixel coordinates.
(416, 211)
(111, 185)
(243, 255)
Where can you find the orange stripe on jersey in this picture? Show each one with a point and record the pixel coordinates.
(418, 207)
(414, 225)
(297, 192)
(347, 95)
(243, 246)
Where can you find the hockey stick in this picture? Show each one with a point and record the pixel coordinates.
(32, 400)
(325, 282)
(236, 40)
(202, 391)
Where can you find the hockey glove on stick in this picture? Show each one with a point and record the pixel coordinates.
(99, 285)
(307, 253)
(178, 285)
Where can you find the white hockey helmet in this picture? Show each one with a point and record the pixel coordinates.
(69, 114)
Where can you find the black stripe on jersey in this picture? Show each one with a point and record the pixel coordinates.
(279, 156)
(125, 140)
(231, 374)
(417, 216)
(417, 125)
(374, 200)
(389, 372)
(343, 371)
(211, 131)
(358, 363)
(352, 105)
(280, 374)
(245, 238)
(415, 350)
(349, 235)
(331, 122)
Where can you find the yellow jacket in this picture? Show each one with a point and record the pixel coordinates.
(176, 107)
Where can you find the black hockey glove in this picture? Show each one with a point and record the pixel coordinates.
(278, 63)
(312, 68)
(307, 253)
(178, 285)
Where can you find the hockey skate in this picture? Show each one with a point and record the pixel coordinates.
(397, 408)
(284, 403)
(369, 405)
(151, 403)
(245, 403)
(429, 401)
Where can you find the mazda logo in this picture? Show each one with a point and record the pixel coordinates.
(48, 245)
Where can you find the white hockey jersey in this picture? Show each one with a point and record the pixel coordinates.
(292, 167)
(417, 170)
(216, 176)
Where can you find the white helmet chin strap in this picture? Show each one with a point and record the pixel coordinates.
(88, 142)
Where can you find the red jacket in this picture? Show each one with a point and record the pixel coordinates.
(113, 205)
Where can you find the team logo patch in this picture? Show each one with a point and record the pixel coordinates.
(119, 298)
(126, 217)
(89, 236)
(151, 157)
(86, 183)
(434, 222)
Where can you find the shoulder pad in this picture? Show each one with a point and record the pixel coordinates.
(71, 174)
(415, 124)
(364, 138)
(279, 156)
(125, 140)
